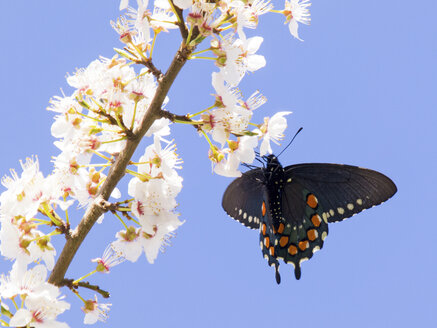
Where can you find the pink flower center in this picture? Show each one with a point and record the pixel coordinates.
(140, 208)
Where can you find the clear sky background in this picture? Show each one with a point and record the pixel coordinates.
(363, 86)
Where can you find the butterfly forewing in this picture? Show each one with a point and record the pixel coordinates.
(243, 198)
(341, 190)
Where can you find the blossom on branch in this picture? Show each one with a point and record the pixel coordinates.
(95, 311)
(97, 129)
(42, 301)
(296, 11)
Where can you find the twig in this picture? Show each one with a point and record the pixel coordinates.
(129, 134)
(84, 284)
(174, 117)
(181, 21)
(151, 67)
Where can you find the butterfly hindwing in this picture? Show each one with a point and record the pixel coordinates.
(303, 231)
(243, 198)
(341, 190)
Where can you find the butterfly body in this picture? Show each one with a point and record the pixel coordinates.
(292, 206)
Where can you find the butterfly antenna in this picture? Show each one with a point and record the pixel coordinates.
(290, 142)
(249, 166)
(259, 160)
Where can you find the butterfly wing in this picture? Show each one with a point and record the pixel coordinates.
(341, 190)
(316, 194)
(244, 197)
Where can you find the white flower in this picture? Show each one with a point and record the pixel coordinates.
(232, 114)
(21, 241)
(240, 151)
(13, 245)
(110, 259)
(272, 130)
(231, 67)
(183, 4)
(40, 312)
(163, 19)
(41, 299)
(240, 57)
(43, 249)
(24, 282)
(24, 193)
(227, 96)
(36, 318)
(141, 20)
(250, 60)
(124, 4)
(247, 15)
(154, 197)
(154, 189)
(128, 243)
(228, 167)
(158, 237)
(159, 127)
(296, 11)
(95, 311)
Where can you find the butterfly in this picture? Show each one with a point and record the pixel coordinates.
(292, 206)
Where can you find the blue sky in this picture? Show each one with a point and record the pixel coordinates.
(363, 86)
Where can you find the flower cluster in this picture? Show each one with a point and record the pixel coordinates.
(154, 187)
(42, 302)
(103, 116)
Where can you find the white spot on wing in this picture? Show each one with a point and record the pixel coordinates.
(324, 235)
(324, 217)
(350, 206)
(359, 201)
(340, 210)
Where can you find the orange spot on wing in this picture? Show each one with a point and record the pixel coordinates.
(263, 208)
(264, 228)
(312, 201)
(283, 241)
(312, 234)
(303, 245)
(292, 250)
(267, 242)
(281, 228)
(272, 251)
(316, 220)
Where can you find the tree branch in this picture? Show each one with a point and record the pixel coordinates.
(118, 169)
(152, 68)
(84, 284)
(182, 27)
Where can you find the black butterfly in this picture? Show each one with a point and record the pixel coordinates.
(292, 206)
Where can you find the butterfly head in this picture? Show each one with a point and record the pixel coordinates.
(272, 163)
